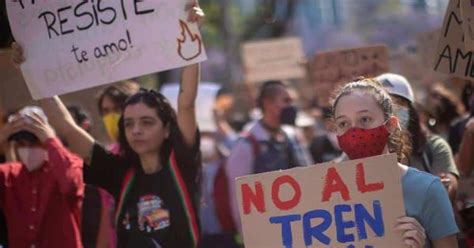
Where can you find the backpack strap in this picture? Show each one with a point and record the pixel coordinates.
(427, 156)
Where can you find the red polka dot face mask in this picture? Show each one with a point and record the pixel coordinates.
(362, 143)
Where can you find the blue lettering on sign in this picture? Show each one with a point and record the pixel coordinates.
(376, 222)
(362, 217)
(316, 231)
(285, 222)
(341, 225)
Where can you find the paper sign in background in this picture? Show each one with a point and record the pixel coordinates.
(72, 45)
(273, 59)
(278, 190)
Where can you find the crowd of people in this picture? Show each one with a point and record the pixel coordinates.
(163, 182)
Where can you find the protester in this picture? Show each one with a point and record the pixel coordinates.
(429, 152)
(41, 193)
(461, 135)
(366, 126)
(81, 117)
(443, 108)
(218, 227)
(109, 104)
(154, 178)
(268, 145)
(98, 228)
(324, 146)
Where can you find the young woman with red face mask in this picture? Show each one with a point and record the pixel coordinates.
(366, 127)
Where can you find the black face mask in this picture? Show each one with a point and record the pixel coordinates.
(288, 115)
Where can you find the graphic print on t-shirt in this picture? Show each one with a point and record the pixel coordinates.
(151, 214)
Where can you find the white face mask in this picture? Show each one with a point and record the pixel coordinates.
(403, 117)
(32, 157)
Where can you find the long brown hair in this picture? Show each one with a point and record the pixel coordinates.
(398, 142)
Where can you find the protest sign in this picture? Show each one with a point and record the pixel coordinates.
(467, 16)
(344, 65)
(72, 45)
(427, 43)
(351, 204)
(273, 59)
(328, 69)
(451, 56)
(205, 100)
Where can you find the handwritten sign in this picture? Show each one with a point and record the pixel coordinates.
(273, 59)
(452, 57)
(72, 45)
(467, 15)
(344, 65)
(351, 204)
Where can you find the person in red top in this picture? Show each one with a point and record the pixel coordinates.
(41, 194)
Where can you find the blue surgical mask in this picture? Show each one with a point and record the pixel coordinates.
(403, 117)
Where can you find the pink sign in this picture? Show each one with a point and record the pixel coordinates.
(73, 45)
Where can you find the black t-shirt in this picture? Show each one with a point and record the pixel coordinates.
(158, 210)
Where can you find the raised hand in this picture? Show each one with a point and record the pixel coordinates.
(17, 57)
(195, 13)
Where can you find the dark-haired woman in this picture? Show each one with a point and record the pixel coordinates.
(154, 178)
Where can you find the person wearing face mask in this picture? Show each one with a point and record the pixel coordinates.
(218, 228)
(430, 152)
(41, 193)
(366, 126)
(268, 144)
(109, 102)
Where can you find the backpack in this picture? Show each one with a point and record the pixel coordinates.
(221, 190)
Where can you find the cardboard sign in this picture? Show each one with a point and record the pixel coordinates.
(342, 66)
(467, 15)
(72, 45)
(451, 56)
(351, 204)
(205, 100)
(427, 44)
(273, 59)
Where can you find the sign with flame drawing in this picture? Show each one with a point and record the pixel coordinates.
(73, 45)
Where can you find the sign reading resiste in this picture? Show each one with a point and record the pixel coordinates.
(72, 45)
(350, 204)
(273, 59)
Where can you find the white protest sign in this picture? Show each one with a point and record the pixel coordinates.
(451, 56)
(350, 204)
(72, 45)
(205, 101)
(273, 59)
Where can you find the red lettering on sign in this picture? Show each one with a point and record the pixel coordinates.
(334, 183)
(362, 186)
(276, 186)
(255, 198)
